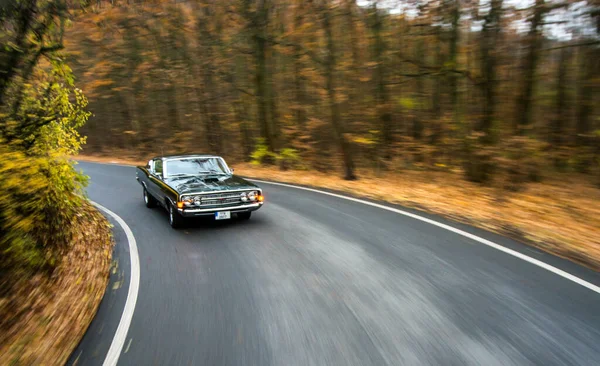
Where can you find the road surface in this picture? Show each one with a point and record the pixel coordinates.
(318, 280)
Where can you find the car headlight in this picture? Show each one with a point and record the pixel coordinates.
(252, 196)
(191, 201)
(243, 197)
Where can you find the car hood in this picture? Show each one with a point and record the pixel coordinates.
(198, 184)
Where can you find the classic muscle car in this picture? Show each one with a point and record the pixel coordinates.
(197, 185)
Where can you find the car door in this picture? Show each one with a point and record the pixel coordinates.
(155, 180)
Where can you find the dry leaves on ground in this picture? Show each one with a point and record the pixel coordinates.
(49, 313)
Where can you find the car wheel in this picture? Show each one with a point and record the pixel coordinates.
(148, 199)
(175, 219)
(244, 215)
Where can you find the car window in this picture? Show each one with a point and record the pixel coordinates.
(196, 166)
(158, 166)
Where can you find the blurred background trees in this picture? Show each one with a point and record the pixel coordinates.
(495, 88)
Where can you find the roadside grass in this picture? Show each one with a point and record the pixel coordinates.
(560, 215)
(45, 316)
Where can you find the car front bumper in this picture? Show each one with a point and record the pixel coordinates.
(194, 212)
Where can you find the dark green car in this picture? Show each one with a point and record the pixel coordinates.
(197, 185)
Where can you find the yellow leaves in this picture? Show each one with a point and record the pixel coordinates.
(368, 139)
(361, 140)
(407, 103)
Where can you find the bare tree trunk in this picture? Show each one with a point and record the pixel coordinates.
(558, 127)
(353, 105)
(589, 69)
(350, 5)
(524, 99)
(589, 72)
(381, 92)
(272, 98)
(210, 101)
(299, 89)
(336, 120)
(400, 119)
(557, 133)
(417, 128)
(259, 23)
(488, 44)
(478, 162)
(241, 107)
(452, 57)
(436, 94)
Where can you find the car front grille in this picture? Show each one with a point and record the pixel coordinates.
(220, 199)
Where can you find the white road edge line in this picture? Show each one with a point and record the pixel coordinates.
(114, 352)
(499, 247)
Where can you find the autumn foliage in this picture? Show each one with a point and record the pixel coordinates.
(343, 85)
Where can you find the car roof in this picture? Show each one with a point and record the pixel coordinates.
(182, 156)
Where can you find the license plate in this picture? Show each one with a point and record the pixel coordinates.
(222, 215)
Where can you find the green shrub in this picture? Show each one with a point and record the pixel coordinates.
(40, 190)
(288, 159)
(21, 182)
(261, 154)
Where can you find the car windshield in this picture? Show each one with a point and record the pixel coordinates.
(195, 166)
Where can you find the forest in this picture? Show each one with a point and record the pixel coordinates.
(485, 113)
(491, 89)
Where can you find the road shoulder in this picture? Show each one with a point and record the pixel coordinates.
(94, 345)
(46, 314)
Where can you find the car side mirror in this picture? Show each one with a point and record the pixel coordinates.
(159, 175)
(231, 170)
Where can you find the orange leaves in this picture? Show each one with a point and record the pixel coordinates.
(99, 83)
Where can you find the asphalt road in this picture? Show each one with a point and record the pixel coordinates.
(316, 280)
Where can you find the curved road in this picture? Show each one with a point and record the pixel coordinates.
(317, 280)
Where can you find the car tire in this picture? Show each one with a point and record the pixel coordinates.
(148, 199)
(175, 219)
(244, 215)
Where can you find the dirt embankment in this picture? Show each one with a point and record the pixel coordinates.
(44, 317)
(560, 215)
